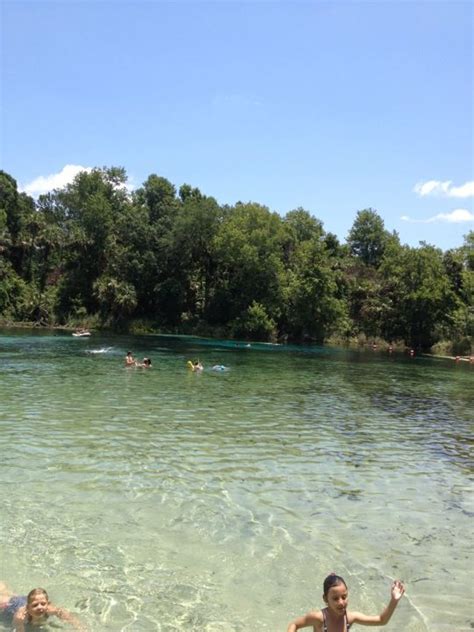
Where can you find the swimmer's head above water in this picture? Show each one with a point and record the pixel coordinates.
(37, 602)
(335, 593)
(331, 581)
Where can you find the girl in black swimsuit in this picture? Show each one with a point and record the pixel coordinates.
(335, 617)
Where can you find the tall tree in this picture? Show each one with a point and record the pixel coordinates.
(368, 238)
(313, 308)
(193, 233)
(247, 252)
(93, 204)
(421, 298)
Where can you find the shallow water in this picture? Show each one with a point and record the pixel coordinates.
(168, 500)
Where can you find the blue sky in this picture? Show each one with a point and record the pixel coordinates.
(330, 106)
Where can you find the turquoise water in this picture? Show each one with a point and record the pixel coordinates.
(167, 500)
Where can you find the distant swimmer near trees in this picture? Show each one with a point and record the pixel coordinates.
(145, 364)
(81, 333)
(335, 617)
(195, 366)
(129, 359)
(32, 610)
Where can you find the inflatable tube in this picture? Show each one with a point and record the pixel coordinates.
(190, 365)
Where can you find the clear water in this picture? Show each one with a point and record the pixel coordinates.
(168, 500)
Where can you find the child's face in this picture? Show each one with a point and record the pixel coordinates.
(38, 606)
(337, 598)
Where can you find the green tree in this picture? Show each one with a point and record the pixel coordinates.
(9, 205)
(13, 293)
(247, 252)
(421, 300)
(461, 273)
(93, 204)
(159, 197)
(16, 210)
(155, 207)
(468, 251)
(191, 252)
(313, 307)
(368, 238)
(302, 226)
(366, 302)
(254, 324)
(117, 299)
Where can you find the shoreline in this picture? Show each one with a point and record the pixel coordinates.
(33, 325)
(380, 345)
(446, 357)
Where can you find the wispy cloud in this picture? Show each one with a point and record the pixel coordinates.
(445, 188)
(458, 216)
(43, 184)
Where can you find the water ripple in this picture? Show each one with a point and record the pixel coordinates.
(165, 500)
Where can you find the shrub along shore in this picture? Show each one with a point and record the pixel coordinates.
(162, 260)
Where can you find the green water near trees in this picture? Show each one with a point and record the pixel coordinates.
(168, 500)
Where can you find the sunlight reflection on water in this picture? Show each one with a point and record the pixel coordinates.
(168, 500)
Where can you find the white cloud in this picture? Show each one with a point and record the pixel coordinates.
(458, 216)
(446, 188)
(464, 191)
(43, 184)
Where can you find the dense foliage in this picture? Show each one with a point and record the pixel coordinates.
(92, 252)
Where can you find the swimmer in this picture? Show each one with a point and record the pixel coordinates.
(219, 367)
(33, 609)
(146, 364)
(196, 366)
(129, 361)
(335, 617)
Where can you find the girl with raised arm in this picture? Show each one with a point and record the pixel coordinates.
(335, 617)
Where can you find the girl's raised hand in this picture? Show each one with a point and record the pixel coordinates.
(397, 590)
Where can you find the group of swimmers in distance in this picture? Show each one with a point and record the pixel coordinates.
(35, 609)
(195, 365)
(130, 361)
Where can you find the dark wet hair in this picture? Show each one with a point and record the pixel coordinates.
(331, 581)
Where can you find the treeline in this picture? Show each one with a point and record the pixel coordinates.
(94, 253)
